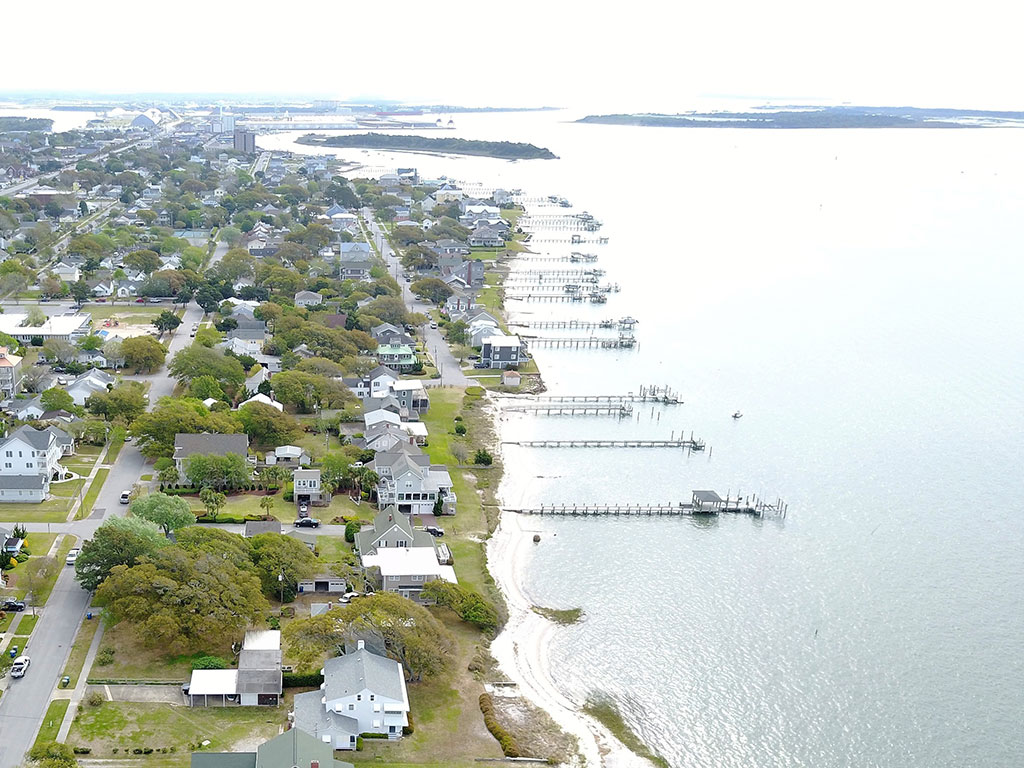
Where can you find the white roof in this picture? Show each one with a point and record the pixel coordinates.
(261, 398)
(208, 402)
(262, 640)
(288, 451)
(413, 561)
(58, 325)
(376, 417)
(414, 428)
(400, 386)
(213, 682)
(501, 340)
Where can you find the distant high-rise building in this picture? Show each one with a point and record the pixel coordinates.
(245, 141)
(227, 123)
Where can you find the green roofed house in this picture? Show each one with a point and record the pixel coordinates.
(292, 749)
(398, 357)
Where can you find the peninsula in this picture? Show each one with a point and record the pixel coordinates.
(794, 117)
(503, 150)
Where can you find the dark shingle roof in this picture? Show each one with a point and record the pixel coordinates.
(189, 444)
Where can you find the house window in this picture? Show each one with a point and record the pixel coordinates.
(9, 454)
(417, 578)
(394, 578)
(351, 707)
(372, 696)
(28, 465)
(359, 697)
(8, 465)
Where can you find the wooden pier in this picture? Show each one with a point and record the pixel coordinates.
(577, 325)
(573, 258)
(542, 275)
(693, 445)
(623, 341)
(661, 397)
(704, 503)
(593, 297)
(580, 222)
(621, 410)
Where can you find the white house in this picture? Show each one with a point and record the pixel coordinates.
(67, 272)
(410, 482)
(377, 383)
(308, 299)
(291, 455)
(29, 460)
(361, 693)
(89, 383)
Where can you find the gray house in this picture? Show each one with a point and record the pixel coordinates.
(499, 351)
(391, 529)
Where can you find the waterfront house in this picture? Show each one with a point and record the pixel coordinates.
(412, 396)
(386, 333)
(384, 437)
(501, 351)
(390, 529)
(486, 237)
(406, 570)
(292, 749)
(409, 481)
(510, 378)
(362, 692)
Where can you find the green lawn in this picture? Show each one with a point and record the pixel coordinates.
(51, 720)
(249, 504)
(5, 622)
(94, 491)
(26, 625)
(53, 510)
(76, 660)
(125, 726)
(116, 444)
(40, 543)
(67, 489)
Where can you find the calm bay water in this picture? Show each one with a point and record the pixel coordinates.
(855, 294)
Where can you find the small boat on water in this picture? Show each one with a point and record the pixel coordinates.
(737, 415)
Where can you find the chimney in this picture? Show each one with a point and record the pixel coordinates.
(314, 764)
(360, 645)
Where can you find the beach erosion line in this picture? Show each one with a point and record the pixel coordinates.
(521, 650)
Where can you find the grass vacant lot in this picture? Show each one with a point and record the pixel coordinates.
(126, 726)
(76, 660)
(249, 504)
(51, 720)
(135, 661)
(53, 510)
(126, 312)
(441, 708)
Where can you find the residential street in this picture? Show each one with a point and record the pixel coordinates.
(24, 703)
(437, 347)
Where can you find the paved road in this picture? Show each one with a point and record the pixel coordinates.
(447, 365)
(24, 704)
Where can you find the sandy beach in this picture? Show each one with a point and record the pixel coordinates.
(521, 650)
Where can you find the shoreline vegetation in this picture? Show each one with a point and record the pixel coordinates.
(563, 616)
(807, 117)
(607, 714)
(502, 150)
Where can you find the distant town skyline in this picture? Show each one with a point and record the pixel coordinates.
(644, 56)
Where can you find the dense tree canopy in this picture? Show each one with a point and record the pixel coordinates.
(265, 425)
(196, 360)
(168, 512)
(273, 555)
(182, 601)
(155, 430)
(119, 541)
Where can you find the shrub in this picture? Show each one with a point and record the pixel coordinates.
(505, 739)
(408, 730)
(371, 735)
(474, 391)
(94, 699)
(359, 743)
(482, 457)
(137, 751)
(81, 750)
(460, 429)
(209, 662)
(274, 622)
(351, 529)
(105, 657)
(301, 679)
(289, 491)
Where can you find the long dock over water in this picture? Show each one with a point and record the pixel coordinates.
(694, 445)
(703, 503)
(664, 397)
(577, 325)
(569, 409)
(624, 341)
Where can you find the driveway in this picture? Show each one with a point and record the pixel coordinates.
(160, 694)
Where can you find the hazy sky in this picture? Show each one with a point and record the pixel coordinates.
(633, 55)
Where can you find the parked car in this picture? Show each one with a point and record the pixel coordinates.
(307, 522)
(140, 300)
(433, 530)
(481, 364)
(155, 300)
(20, 666)
(126, 496)
(192, 334)
(10, 604)
(433, 324)
(62, 381)
(72, 556)
(100, 301)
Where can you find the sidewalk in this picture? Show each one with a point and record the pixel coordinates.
(78, 693)
(96, 467)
